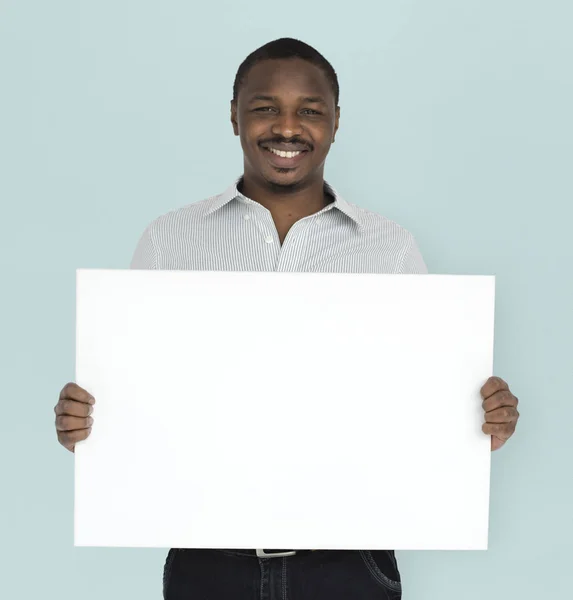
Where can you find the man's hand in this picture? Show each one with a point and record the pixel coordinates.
(500, 407)
(73, 410)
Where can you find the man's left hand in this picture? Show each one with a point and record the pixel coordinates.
(500, 407)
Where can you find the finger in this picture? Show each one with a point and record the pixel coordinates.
(503, 431)
(73, 408)
(499, 399)
(67, 423)
(75, 392)
(493, 385)
(70, 438)
(505, 414)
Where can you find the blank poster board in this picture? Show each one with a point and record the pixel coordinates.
(283, 410)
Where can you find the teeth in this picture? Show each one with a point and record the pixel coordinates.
(284, 154)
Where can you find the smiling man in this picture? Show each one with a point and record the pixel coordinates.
(281, 216)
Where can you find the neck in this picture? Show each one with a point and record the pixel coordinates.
(287, 205)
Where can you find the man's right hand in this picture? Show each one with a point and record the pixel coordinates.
(73, 410)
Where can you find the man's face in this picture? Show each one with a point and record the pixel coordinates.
(285, 106)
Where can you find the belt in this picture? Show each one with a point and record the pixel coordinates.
(260, 553)
(274, 553)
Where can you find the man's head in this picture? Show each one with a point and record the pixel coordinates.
(285, 99)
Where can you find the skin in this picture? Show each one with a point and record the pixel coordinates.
(273, 108)
(286, 116)
(500, 409)
(73, 420)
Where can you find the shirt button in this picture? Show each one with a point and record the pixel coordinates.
(246, 217)
(269, 239)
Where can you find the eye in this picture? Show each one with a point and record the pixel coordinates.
(308, 111)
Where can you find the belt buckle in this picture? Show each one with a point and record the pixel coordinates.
(263, 554)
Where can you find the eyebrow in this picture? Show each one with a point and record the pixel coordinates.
(307, 99)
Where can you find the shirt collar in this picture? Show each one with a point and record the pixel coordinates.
(339, 203)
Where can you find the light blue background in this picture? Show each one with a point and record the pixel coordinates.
(456, 122)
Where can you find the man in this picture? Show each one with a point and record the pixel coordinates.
(281, 216)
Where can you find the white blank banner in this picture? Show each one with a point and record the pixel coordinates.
(283, 410)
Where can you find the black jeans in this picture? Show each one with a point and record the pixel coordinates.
(318, 575)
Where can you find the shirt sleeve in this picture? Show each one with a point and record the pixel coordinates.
(413, 263)
(145, 255)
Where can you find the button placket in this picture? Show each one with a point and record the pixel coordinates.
(293, 252)
(265, 226)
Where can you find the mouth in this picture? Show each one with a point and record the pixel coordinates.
(284, 159)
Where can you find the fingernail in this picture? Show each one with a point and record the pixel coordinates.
(91, 400)
(90, 421)
(90, 410)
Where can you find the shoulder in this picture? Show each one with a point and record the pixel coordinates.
(176, 219)
(163, 234)
(376, 225)
(389, 237)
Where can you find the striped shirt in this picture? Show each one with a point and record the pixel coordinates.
(230, 232)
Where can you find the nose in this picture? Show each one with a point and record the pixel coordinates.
(287, 125)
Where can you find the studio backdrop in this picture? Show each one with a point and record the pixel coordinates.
(455, 122)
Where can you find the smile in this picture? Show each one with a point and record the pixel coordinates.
(285, 159)
(284, 154)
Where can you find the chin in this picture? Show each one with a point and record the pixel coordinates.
(283, 178)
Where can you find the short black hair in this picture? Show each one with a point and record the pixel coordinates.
(284, 48)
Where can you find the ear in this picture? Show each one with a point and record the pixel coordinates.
(336, 123)
(234, 120)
